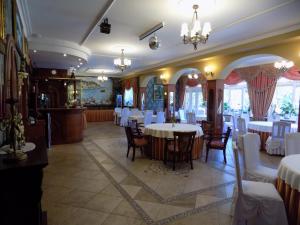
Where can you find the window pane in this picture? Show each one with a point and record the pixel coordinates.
(128, 97)
(236, 99)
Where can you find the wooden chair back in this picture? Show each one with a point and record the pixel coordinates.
(184, 141)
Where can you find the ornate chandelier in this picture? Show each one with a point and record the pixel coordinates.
(122, 63)
(102, 78)
(195, 36)
(283, 66)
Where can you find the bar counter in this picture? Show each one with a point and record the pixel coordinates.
(67, 124)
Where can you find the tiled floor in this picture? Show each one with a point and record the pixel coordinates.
(93, 183)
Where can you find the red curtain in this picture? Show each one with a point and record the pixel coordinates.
(181, 89)
(261, 91)
(292, 74)
(233, 78)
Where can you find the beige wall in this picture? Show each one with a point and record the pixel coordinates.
(286, 46)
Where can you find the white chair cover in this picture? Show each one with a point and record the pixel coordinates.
(191, 118)
(253, 169)
(241, 131)
(135, 111)
(117, 112)
(124, 117)
(148, 117)
(182, 116)
(275, 143)
(292, 143)
(257, 203)
(160, 117)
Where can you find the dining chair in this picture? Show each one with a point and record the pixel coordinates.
(292, 143)
(182, 116)
(124, 117)
(135, 111)
(218, 142)
(148, 118)
(257, 202)
(134, 140)
(191, 118)
(180, 147)
(207, 128)
(275, 143)
(253, 169)
(160, 118)
(117, 113)
(240, 131)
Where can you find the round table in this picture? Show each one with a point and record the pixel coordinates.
(264, 129)
(159, 131)
(288, 185)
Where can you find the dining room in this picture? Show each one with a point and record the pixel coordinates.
(149, 112)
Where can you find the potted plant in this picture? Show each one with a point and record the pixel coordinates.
(287, 109)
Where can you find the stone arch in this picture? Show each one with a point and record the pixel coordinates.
(145, 80)
(249, 60)
(184, 71)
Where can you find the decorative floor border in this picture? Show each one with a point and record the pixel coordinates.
(139, 209)
(160, 198)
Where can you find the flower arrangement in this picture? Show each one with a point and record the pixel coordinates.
(14, 127)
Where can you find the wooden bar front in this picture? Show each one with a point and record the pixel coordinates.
(67, 124)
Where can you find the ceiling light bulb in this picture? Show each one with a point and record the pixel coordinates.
(206, 29)
(78, 66)
(81, 63)
(196, 76)
(35, 51)
(190, 76)
(79, 59)
(65, 55)
(184, 30)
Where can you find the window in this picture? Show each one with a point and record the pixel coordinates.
(128, 97)
(236, 98)
(286, 97)
(193, 99)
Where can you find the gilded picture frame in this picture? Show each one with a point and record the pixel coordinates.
(8, 16)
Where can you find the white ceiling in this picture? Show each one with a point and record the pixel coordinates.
(233, 22)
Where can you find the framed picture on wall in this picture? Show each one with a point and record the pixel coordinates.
(17, 28)
(158, 92)
(1, 84)
(8, 16)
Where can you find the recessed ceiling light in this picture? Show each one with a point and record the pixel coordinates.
(65, 55)
(35, 51)
(78, 66)
(80, 63)
(79, 59)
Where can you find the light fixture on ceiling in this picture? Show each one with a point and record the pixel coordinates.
(195, 36)
(34, 51)
(102, 78)
(65, 55)
(122, 63)
(79, 59)
(193, 76)
(154, 43)
(283, 65)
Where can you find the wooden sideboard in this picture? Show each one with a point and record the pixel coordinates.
(99, 115)
(21, 188)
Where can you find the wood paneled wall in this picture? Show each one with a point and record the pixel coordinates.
(99, 115)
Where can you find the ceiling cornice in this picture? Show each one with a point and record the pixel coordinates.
(25, 16)
(59, 46)
(260, 41)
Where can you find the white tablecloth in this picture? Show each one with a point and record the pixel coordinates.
(289, 171)
(140, 118)
(165, 130)
(266, 126)
(201, 117)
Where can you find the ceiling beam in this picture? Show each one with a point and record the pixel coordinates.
(97, 20)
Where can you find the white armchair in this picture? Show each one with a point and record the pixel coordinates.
(240, 132)
(275, 143)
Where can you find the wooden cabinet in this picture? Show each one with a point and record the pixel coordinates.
(21, 189)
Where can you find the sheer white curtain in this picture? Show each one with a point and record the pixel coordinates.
(193, 99)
